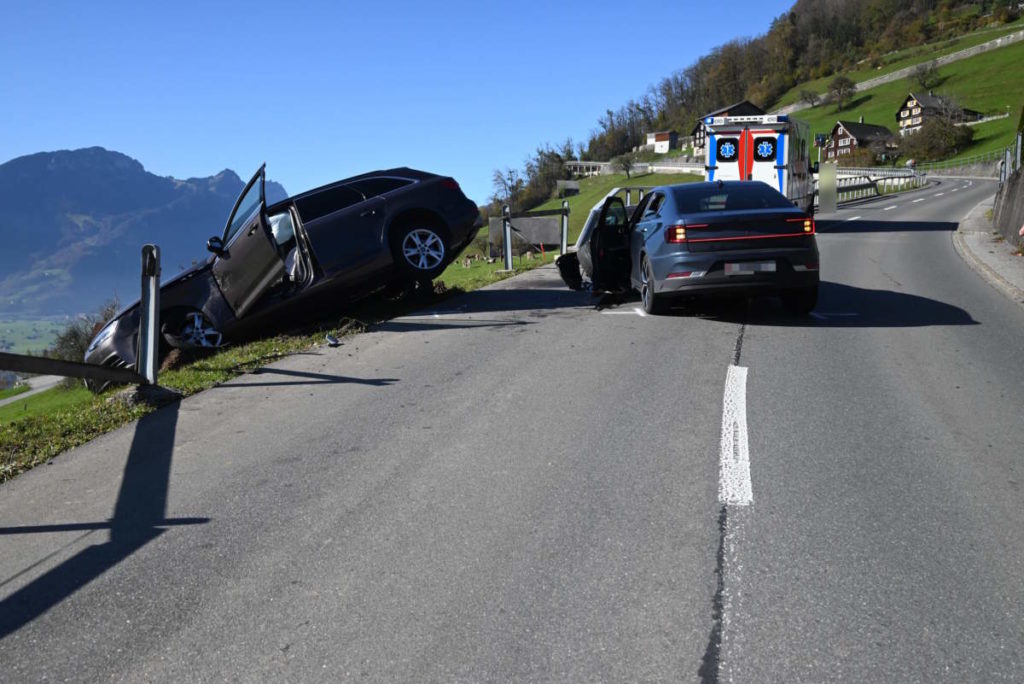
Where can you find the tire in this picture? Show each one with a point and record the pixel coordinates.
(801, 302)
(652, 303)
(192, 331)
(421, 249)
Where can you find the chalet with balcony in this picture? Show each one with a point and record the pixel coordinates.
(917, 109)
(848, 136)
(699, 133)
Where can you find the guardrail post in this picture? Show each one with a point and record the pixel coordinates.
(564, 246)
(506, 235)
(149, 308)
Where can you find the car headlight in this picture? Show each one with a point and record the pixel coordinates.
(101, 337)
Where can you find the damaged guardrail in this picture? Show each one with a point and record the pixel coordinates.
(145, 371)
(544, 227)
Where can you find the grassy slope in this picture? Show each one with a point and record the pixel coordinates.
(905, 58)
(987, 82)
(13, 391)
(593, 189)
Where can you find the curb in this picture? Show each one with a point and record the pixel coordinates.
(987, 273)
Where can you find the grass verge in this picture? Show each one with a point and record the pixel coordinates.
(13, 391)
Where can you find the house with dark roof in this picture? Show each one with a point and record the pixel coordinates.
(699, 132)
(917, 109)
(847, 136)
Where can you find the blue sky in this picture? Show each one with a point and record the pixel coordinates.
(324, 90)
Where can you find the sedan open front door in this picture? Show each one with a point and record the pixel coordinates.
(609, 247)
(248, 262)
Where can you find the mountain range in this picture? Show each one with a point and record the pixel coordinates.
(73, 222)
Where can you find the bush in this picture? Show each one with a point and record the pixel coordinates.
(938, 139)
(74, 339)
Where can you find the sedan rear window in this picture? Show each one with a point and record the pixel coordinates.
(731, 197)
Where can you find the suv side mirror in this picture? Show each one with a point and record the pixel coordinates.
(215, 245)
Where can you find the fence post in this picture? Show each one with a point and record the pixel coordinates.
(629, 196)
(149, 308)
(1019, 142)
(506, 235)
(565, 227)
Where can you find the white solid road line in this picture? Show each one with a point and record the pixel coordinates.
(895, 206)
(734, 488)
(855, 218)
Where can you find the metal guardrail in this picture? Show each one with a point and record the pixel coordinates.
(874, 171)
(507, 229)
(145, 371)
(850, 188)
(40, 365)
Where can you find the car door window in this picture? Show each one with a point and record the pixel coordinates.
(321, 203)
(247, 206)
(372, 187)
(654, 206)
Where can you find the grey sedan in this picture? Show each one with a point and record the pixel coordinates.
(695, 239)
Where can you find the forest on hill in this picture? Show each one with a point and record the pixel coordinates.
(814, 39)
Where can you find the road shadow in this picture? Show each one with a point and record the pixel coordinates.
(839, 306)
(305, 378)
(867, 225)
(533, 295)
(139, 518)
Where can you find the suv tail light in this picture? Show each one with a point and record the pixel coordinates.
(450, 184)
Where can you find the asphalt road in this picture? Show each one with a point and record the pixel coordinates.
(521, 486)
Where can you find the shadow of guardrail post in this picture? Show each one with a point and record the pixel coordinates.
(145, 371)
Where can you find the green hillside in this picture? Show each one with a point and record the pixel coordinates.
(593, 189)
(989, 83)
(904, 58)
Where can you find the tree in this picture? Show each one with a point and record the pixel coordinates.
(938, 139)
(624, 162)
(926, 75)
(840, 90)
(73, 341)
(507, 185)
(809, 97)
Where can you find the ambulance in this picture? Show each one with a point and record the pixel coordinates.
(766, 147)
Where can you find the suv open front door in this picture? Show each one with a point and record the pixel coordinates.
(609, 247)
(248, 263)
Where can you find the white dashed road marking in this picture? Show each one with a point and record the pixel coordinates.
(919, 199)
(734, 488)
(895, 206)
(855, 218)
(939, 194)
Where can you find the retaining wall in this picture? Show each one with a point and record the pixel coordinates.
(1009, 209)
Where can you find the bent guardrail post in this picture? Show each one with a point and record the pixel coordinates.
(149, 311)
(564, 246)
(506, 235)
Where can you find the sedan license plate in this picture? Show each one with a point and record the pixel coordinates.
(750, 268)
